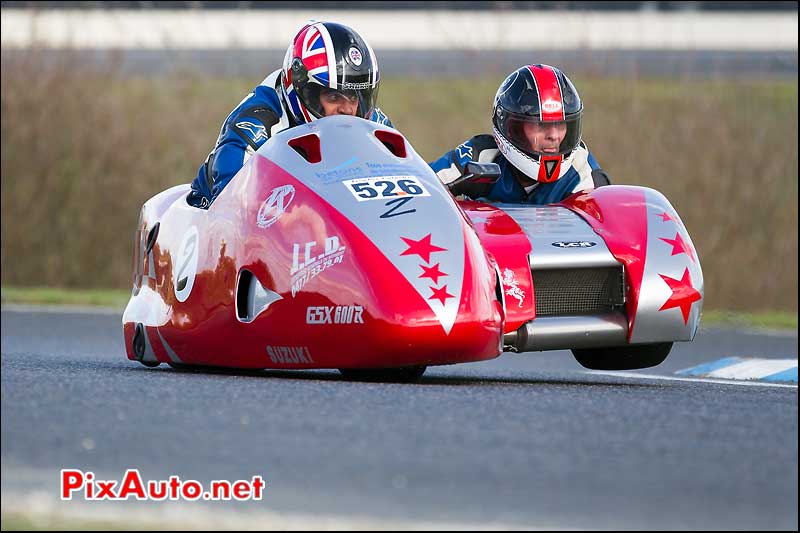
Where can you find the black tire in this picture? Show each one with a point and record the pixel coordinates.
(623, 357)
(406, 374)
(150, 364)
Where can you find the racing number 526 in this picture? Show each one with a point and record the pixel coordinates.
(370, 190)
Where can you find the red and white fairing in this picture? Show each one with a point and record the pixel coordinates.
(335, 246)
(632, 228)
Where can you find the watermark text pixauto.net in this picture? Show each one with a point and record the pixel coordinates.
(84, 485)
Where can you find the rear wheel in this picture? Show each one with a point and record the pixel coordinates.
(623, 357)
(406, 374)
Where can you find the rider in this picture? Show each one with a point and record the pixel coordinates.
(537, 143)
(328, 69)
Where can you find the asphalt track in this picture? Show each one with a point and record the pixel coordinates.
(524, 441)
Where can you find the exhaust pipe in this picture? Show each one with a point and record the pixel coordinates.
(565, 332)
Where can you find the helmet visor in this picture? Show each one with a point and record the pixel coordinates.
(537, 138)
(323, 101)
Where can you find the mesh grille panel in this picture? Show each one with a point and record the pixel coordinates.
(578, 290)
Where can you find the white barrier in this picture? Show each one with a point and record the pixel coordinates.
(404, 30)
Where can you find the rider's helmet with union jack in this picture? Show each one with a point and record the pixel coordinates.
(326, 57)
(537, 121)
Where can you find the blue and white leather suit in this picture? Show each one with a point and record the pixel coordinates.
(580, 172)
(261, 114)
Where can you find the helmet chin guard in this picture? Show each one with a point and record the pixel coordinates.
(546, 169)
(549, 168)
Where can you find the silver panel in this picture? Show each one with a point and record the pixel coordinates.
(560, 333)
(149, 355)
(652, 323)
(350, 150)
(545, 225)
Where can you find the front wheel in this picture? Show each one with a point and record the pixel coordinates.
(406, 374)
(623, 357)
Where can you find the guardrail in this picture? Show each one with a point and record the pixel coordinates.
(407, 30)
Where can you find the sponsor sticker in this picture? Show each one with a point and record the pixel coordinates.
(355, 55)
(306, 265)
(289, 354)
(464, 151)
(512, 286)
(574, 244)
(551, 106)
(256, 131)
(274, 206)
(355, 86)
(335, 314)
(385, 187)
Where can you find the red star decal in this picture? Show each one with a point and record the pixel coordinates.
(422, 248)
(432, 272)
(683, 294)
(664, 216)
(440, 294)
(679, 246)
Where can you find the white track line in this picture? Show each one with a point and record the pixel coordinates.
(696, 380)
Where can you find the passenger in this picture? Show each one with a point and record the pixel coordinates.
(536, 142)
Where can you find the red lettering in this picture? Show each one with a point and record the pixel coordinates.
(157, 490)
(218, 487)
(132, 484)
(71, 480)
(258, 484)
(174, 485)
(241, 490)
(106, 490)
(192, 490)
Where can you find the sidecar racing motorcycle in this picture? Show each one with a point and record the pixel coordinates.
(336, 246)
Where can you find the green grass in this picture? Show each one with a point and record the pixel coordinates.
(29, 522)
(114, 298)
(783, 320)
(724, 152)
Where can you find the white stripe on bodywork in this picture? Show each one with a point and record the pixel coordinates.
(149, 355)
(170, 352)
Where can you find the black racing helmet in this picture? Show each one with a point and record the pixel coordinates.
(531, 97)
(325, 57)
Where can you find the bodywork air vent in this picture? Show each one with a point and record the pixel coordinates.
(393, 141)
(308, 147)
